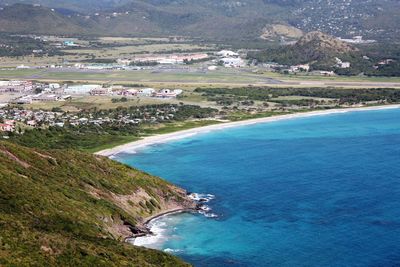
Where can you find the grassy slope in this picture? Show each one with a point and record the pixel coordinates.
(66, 208)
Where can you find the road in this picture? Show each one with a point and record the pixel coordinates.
(193, 78)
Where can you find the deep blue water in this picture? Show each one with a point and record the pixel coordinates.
(318, 191)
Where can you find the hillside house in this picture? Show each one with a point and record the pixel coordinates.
(386, 61)
(7, 126)
(341, 64)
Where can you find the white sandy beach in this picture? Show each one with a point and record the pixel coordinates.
(163, 138)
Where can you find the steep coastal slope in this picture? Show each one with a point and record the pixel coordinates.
(66, 208)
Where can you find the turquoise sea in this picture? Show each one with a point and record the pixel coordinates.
(316, 191)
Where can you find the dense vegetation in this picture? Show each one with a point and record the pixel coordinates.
(321, 50)
(66, 208)
(15, 46)
(343, 96)
(77, 137)
(89, 136)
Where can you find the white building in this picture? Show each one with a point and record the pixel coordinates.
(297, 68)
(232, 62)
(327, 73)
(167, 93)
(341, 64)
(22, 67)
(54, 86)
(128, 92)
(81, 89)
(146, 92)
(22, 100)
(15, 86)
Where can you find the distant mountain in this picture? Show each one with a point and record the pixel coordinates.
(225, 19)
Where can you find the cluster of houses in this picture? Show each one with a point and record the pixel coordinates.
(306, 68)
(226, 58)
(272, 66)
(165, 59)
(15, 86)
(9, 117)
(150, 92)
(7, 126)
(29, 92)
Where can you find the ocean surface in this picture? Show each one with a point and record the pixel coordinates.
(316, 191)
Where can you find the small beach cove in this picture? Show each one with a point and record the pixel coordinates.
(300, 187)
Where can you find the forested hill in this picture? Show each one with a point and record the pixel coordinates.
(374, 19)
(314, 47)
(322, 52)
(67, 208)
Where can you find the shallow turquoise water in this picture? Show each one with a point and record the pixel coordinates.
(318, 191)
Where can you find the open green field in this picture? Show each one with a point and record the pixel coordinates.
(99, 102)
(333, 78)
(130, 40)
(121, 51)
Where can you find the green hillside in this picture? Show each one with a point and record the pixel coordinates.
(321, 52)
(314, 47)
(67, 208)
(228, 19)
(27, 19)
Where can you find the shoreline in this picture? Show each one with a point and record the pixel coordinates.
(148, 220)
(164, 138)
(146, 231)
(166, 213)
